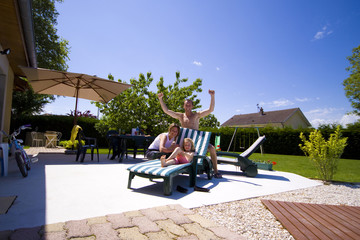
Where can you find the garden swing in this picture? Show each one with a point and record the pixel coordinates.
(243, 141)
(242, 160)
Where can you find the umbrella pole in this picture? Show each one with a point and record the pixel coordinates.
(76, 103)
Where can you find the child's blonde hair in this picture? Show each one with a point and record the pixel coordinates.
(192, 144)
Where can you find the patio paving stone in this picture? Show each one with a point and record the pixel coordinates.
(130, 225)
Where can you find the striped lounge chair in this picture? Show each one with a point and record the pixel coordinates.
(152, 169)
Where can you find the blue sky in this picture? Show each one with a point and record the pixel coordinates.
(279, 54)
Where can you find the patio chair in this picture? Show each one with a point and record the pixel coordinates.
(113, 143)
(36, 139)
(152, 169)
(242, 160)
(84, 144)
(59, 135)
(137, 143)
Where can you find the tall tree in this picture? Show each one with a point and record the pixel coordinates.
(140, 107)
(352, 83)
(52, 53)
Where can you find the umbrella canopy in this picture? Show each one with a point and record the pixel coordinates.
(78, 85)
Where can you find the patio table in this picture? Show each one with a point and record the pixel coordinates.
(51, 139)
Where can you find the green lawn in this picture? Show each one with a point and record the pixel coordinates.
(348, 169)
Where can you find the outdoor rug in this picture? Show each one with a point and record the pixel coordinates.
(317, 221)
(5, 203)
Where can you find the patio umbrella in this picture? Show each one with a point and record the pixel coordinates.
(78, 85)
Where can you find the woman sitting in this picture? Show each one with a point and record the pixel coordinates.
(164, 143)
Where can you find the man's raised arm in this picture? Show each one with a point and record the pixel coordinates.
(171, 113)
(212, 105)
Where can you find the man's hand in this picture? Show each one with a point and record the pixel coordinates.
(211, 92)
(160, 95)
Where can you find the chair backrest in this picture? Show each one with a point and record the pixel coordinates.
(110, 132)
(81, 138)
(59, 135)
(33, 135)
(201, 139)
(253, 147)
(111, 140)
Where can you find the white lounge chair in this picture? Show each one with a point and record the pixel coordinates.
(242, 160)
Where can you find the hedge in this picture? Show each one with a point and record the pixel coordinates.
(63, 124)
(278, 141)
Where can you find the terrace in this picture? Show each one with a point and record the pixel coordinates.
(60, 190)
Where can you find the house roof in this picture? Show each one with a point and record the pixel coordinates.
(279, 116)
(16, 33)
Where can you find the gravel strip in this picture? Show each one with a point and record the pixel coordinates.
(252, 220)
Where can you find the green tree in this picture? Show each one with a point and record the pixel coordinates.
(210, 121)
(329, 127)
(28, 103)
(52, 53)
(324, 154)
(353, 126)
(352, 83)
(140, 107)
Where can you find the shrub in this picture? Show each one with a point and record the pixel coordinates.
(324, 154)
(69, 144)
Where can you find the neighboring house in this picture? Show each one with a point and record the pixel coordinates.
(282, 118)
(16, 34)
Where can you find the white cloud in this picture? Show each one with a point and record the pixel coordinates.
(217, 69)
(348, 118)
(303, 99)
(330, 116)
(323, 111)
(317, 122)
(197, 63)
(322, 33)
(277, 103)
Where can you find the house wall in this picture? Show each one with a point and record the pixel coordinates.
(6, 88)
(296, 121)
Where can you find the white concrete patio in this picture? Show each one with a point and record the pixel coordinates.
(59, 189)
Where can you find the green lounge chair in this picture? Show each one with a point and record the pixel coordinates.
(242, 160)
(152, 169)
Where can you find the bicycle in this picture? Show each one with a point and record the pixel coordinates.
(22, 159)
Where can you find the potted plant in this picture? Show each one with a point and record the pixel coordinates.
(264, 164)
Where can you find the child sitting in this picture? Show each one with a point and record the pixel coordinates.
(180, 155)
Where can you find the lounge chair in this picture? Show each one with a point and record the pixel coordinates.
(242, 160)
(152, 169)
